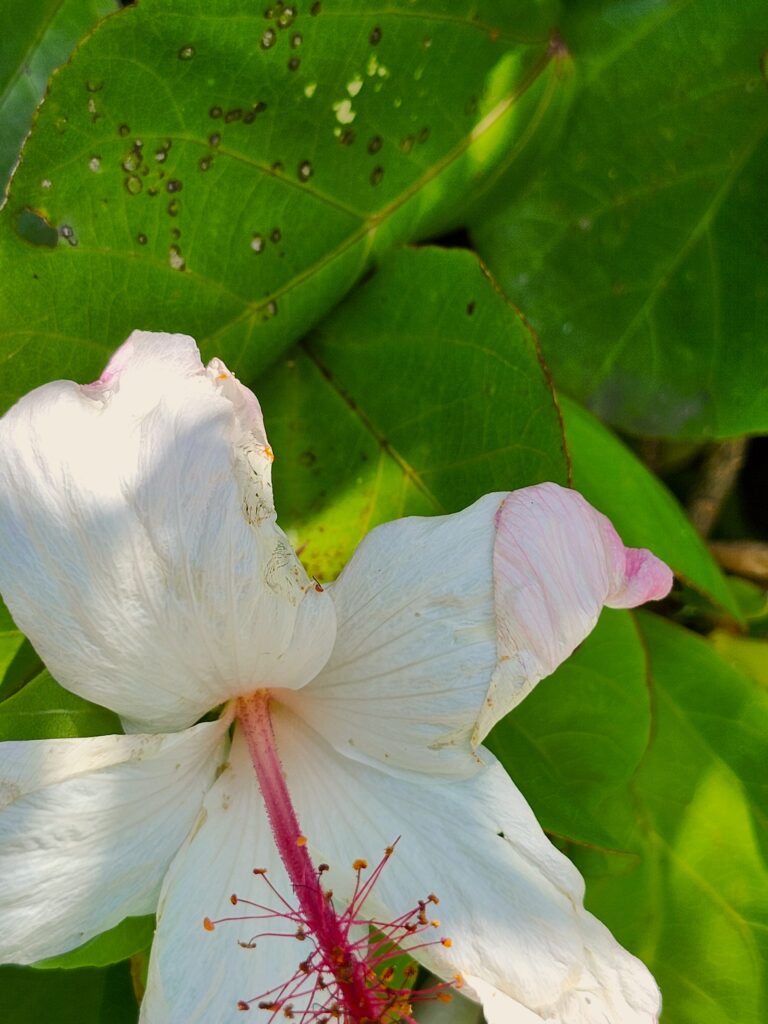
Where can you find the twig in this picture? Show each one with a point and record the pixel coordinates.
(718, 475)
(743, 557)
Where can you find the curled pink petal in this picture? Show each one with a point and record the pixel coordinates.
(556, 563)
(643, 577)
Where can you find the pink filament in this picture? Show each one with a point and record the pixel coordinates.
(339, 956)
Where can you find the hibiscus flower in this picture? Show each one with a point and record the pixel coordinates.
(140, 553)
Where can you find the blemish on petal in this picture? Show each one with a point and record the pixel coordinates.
(201, 820)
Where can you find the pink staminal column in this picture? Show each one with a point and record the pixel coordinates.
(339, 953)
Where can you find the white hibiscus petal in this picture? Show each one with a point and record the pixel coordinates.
(498, 1008)
(88, 828)
(198, 976)
(510, 902)
(444, 624)
(138, 543)
(415, 645)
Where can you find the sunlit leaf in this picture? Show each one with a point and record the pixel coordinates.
(695, 906)
(746, 653)
(229, 171)
(131, 936)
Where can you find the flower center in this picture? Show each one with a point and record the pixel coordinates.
(344, 978)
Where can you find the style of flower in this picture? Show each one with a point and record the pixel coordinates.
(140, 553)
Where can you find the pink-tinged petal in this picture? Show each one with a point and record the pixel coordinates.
(197, 976)
(88, 828)
(511, 903)
(445, 623)
(138, 544)
(556, 562)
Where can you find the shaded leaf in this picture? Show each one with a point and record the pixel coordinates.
(640, 250)
(641, 508)
(460, 406)
(752, 601)
(229, 172)
(87, 996)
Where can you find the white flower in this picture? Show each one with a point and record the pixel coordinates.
(140, 553)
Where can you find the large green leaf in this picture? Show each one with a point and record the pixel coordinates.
(640, 251)
(87, 996)
(639, 505)
(38, 37)
(695, 908)
(45, 710)
(230, 170)
(575, 741)
(459, 406)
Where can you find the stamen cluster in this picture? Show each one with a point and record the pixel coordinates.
(351, 980)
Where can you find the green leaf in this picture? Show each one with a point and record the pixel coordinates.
(575, 741)
(641, 508)
(230, 172)
(746, 653)
(18, 661)
(460, 406)
(695, 908)
(45, 710)
(36, 39)
(87, 996)
(131, 936)
(639, 251)
(751, 599)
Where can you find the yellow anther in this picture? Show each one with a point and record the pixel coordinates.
(208, 924)
(360, 864)
(301, 840)
(446, 942)
(269, 454)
